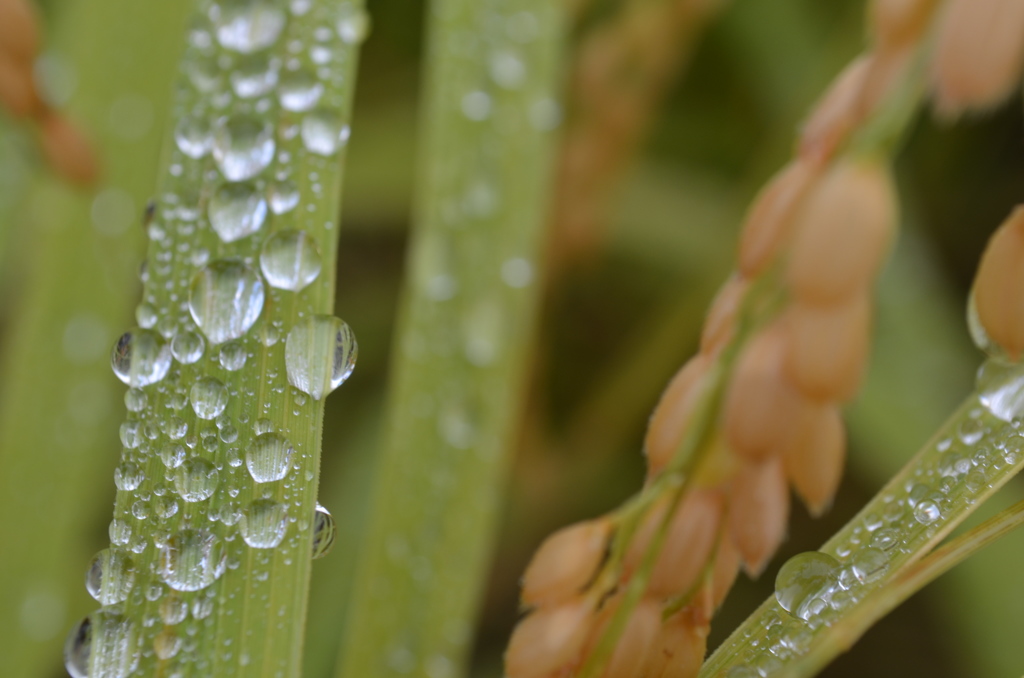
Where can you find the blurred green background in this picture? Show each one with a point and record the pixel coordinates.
(618, 319)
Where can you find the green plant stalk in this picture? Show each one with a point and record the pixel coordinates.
(246, 609)
(908, 582)
(59, 403)
(463, 336)
(963, 492)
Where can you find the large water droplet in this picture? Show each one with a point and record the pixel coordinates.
(103, 645)
(187, 347)
(323, 132)
(140, 357)
(243, 146)
(1001, 388)
(804, 583)
(225, 299)
(268, 457)
(192, 560)
(110, 576)
(290, 260)
(196, 480)
(209, 397)
(263, 524)
(320, 353)
(325, 530)
(254, 76)
(237, 210)
(299, 90)
(247, 25)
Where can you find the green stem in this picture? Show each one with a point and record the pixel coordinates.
(215, 509)
(464, 330)
(851, 627)
(970, 457)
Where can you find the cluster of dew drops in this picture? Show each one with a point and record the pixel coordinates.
(816, 587)
(220, 306)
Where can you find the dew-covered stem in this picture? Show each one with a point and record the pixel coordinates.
(976, 452)
(215, 519)
(78, 253)
(909, 581)
(463, 336)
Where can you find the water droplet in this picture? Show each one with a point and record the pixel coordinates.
(243, 146)
(977, 330)
(290, 260)
(120, 532)
(283, 195)
(194, 137)
(166, 644)
(1001, 389)
(196, 480)
(202, 608)
(135, 399)
(192, 560)
(110, 576)
(926, 512)
(230, 513)
(268, 457)
(323, 132)
(320, 354)
(146, 316)
(172, 455)
(325, 530)
(128, 476)
(232, 356)
(225, 299)
(804, 580)
(237, 210)
(209, 397)
(970, 431)
(299, 90)
(263, 524)
(353, 23)
(885, 538)
(103, 645)
(173, 609)
(204, 74)
(868, 564)
(165, 507)
(247, 25)
(917, 493)
(187, 347)
(140, 357)
(254, 76)
(176, 426)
